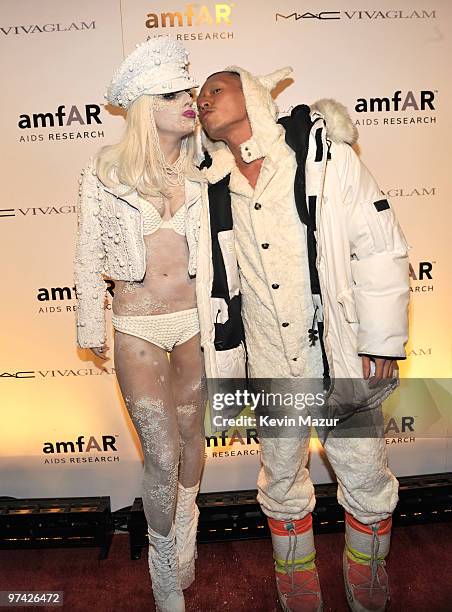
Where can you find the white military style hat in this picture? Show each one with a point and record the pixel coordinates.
(157, 66)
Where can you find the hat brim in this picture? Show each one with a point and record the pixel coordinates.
(172, 86)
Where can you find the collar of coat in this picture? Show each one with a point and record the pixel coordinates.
(297, 126)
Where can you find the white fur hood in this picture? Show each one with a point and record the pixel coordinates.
(262, 113)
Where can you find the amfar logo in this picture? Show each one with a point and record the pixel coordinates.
(88, 115)
(222, 439)
(409, 101)
(66, 293)
(47, 28)
(423, 271)
(399, 192)
(327, 15)
(400, 430)
(104, 444)
(421, 274)
(220, 13)
(56, 293)
(401, 425)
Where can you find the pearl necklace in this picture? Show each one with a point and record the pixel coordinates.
(172, 174)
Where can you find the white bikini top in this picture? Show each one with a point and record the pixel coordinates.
(152, 221)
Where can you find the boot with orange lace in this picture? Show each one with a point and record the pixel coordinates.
(365, 577)
(296, 575)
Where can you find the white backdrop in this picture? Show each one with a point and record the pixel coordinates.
(58, 57)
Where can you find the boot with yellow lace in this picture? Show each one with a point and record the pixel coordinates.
(296, 575)
(365, 577)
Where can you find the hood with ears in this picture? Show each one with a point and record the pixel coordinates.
(262, 114)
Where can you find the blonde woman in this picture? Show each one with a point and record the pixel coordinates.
(138, 221)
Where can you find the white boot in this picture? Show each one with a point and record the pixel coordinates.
(164, 570)
(186, 521)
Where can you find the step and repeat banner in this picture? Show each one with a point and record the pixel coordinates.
(64, 428)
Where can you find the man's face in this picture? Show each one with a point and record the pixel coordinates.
(221, 105)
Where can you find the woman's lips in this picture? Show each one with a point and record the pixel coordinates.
(189, 113)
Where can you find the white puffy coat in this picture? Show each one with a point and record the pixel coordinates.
(362, 257)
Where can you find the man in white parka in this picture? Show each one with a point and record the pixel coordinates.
(301, 260)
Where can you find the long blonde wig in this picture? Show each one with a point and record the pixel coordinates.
(133, 161)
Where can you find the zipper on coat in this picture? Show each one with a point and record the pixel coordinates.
(216, 318)
(313, 333)
(322, 286)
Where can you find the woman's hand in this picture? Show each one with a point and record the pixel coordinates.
(100, 351)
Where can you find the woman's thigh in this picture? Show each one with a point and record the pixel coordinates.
(144, 377)
(187, 370)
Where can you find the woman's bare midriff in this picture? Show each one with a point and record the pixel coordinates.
(166, 286)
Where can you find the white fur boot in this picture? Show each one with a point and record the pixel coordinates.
(186, 522)
(164, 570)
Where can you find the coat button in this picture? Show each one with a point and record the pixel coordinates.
(285, 324)
(275, 286)
(257, 206)
(265, 245)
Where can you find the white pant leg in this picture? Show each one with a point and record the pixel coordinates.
(366, 487)
(285, 489)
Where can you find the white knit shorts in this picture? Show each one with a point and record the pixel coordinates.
(164, 330)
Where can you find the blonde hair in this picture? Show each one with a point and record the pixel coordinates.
(134, 160)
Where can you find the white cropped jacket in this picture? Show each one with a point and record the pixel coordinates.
(110, 244)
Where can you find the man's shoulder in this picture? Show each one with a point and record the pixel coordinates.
(340, 128)
(339, 125)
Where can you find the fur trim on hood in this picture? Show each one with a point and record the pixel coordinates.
(339, 126)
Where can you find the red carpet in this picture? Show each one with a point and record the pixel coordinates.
(234, 576)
